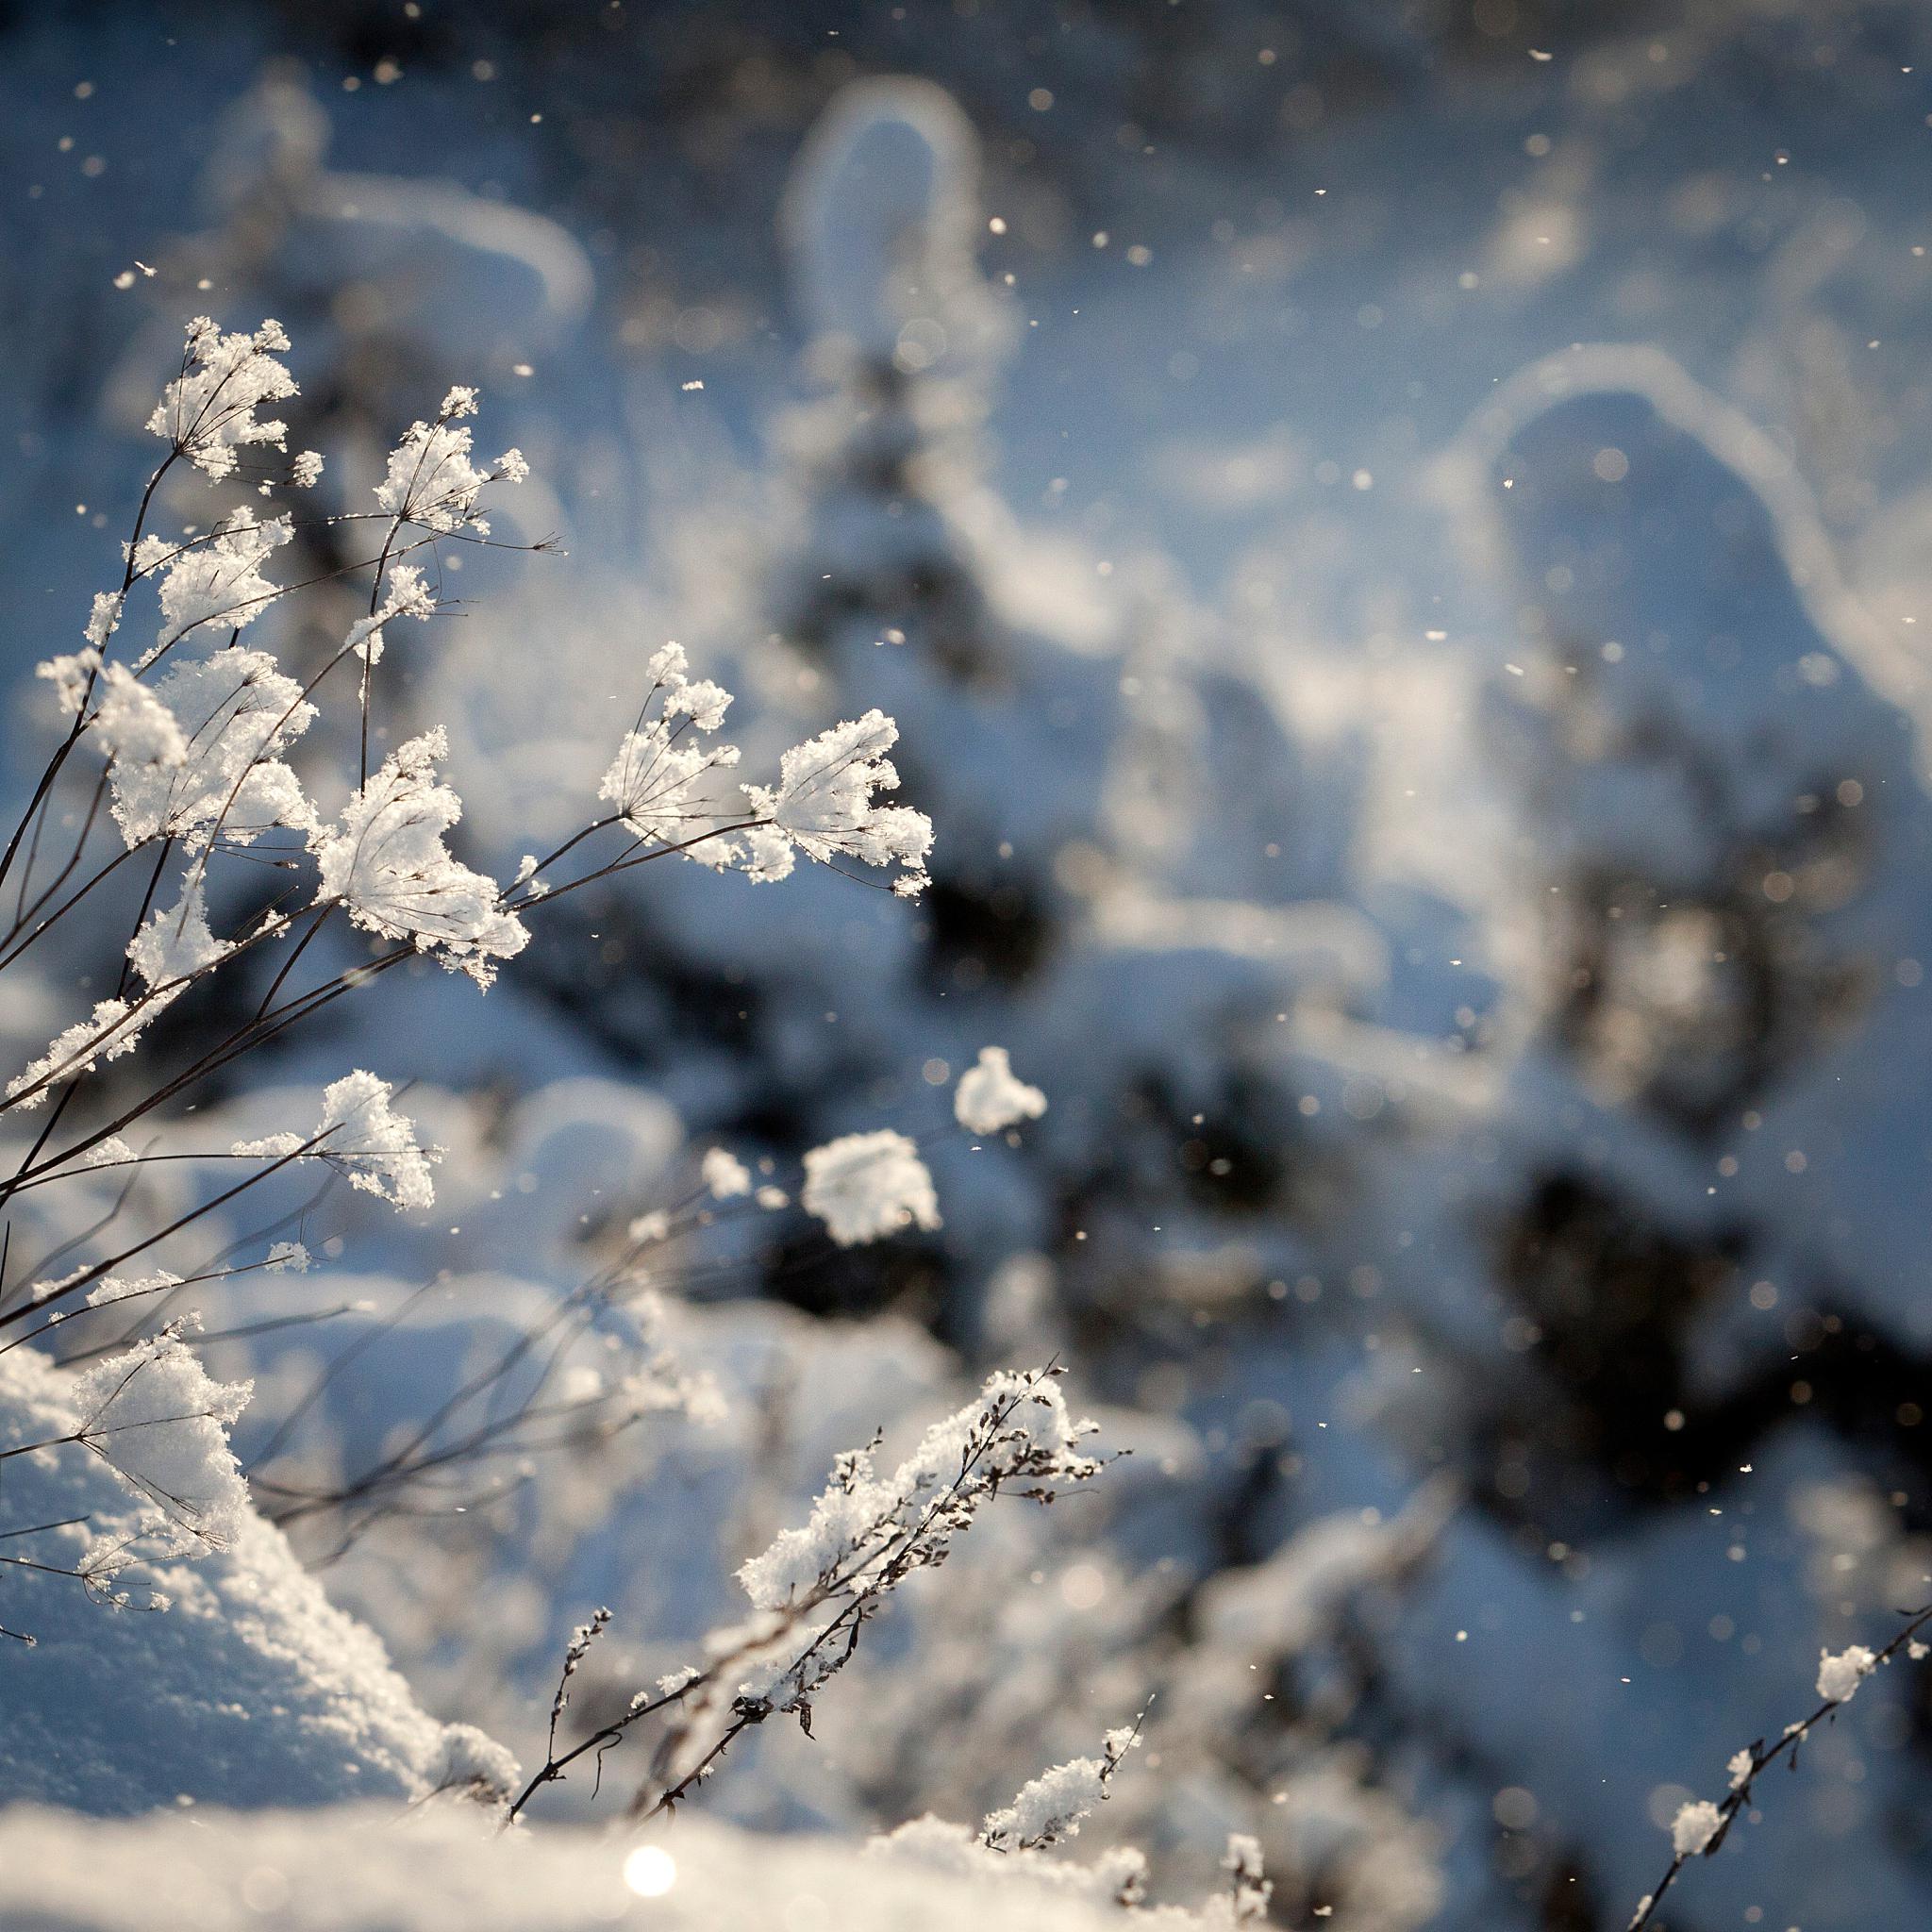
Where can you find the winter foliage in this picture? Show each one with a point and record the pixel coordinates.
(387, 865)
(192, 759)
(160, 1423)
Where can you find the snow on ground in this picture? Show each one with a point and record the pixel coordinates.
(364, 1871)
(249, 1684)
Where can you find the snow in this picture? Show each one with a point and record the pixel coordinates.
(387, 863)
(208, 413)
(865, 1187)
(248, 1686)
(1245, 827)
(175, 943)
(990, 1096)
(431, 480)
(110, 1030)
(864, 1527)
(194, 755)
(154, 1416)
(212, 582)
(1251, 1888)
(1696, 1824)
(822, 803)
(363, 1871)
(650, 780)
(1839, 1674)
(360, 1134)
(363, 1134)
(724, 1175)
(881, 217)
(1052, 1806)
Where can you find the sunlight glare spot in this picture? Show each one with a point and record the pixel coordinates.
(650, 1871)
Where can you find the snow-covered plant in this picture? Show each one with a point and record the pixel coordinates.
(1116, 1880)
(514, 1400)
(1248, 1889)
(208, 412)
(365, 1139)
(1700, 1825)
(172, 785)
(1053, 1805)
(386, 864)
(823, 805)
(814, 1589)
(156, 1418)
(511, 1403)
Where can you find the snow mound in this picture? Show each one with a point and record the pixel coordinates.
(248, 1689)
(356, 1870)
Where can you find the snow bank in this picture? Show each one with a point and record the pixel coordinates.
(356, 1870)
(248, 1689)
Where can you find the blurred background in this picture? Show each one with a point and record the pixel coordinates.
(1394, 532)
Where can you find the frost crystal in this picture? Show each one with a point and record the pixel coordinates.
(866, 1186)
(72, 675)
(388, 864)
(153, 1415)
(1016, 1434)
(196, 753)
(409, 595)
(1694, 1826)
(169, 951)
(680, 695)
(209, 411)
(103, 621)
(823, 805)
(175, 945)
(814, 1589)
(652, 777)
(214, 581)
(432, 481)
(110, 1030)
(113, 1288)
(1051, 1806)
(1839, 1676)
(372, 1143)
(990, 1097)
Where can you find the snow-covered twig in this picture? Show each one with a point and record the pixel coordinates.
(1053, 1805)
(1701, 1825)
(814, 1589)
(195, 733)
